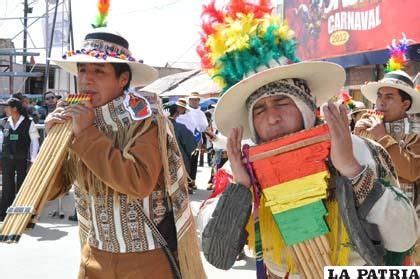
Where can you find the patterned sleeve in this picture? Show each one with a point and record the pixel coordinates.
(405, 154)
(363, 184)
(378, 196)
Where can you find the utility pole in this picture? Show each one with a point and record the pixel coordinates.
(72, 40)
(47, 64)
(25, 31)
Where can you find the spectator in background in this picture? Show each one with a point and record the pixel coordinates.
(356, 113)
(20, 142)
(196, 122)
(50, 101)
(30, 109)
(184, 137)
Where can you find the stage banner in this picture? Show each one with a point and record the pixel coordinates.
(331, 28)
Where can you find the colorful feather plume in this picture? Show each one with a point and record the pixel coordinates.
(240, 37)
(398, 54)
(101, 17)
(347, 100)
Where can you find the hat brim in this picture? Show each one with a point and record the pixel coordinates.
(370, 91)
(323, 78)
(358, 110)
(142, 74)
(182, 106)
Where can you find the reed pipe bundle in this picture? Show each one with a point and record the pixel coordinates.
(32, 196)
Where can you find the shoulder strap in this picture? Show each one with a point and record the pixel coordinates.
(162, 242)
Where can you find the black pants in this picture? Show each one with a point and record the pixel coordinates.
(193, 164)
(11, 167)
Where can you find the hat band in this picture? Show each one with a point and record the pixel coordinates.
(108, 37)
(400, 78)
(105, 46)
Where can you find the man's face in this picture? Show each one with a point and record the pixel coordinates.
(181, 110)
(99, 79)
(275, 117)
(8, 110)
(25, 102)
(50, 99)
(194, 102)
(391, 104)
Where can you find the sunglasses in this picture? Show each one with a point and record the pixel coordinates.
(50, 98)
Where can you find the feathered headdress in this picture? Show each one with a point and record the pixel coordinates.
(241, 37)
(101, 17)
(347, 100)
(398, 54)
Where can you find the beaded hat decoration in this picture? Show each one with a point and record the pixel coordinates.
(103, 45)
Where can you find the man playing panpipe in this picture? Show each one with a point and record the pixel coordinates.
(126, 169)
(277, 97)
(395, 96)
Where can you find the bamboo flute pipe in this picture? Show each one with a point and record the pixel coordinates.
(44, 199)
(49, 171)
(27, 193)
(325, 243)
(58, 156)
(317, 267)
(26, 219)
(41, 173)
(24, 197)
(34, 170)
(316, 253)
(307, 257)
(300, 262)
(324, 252)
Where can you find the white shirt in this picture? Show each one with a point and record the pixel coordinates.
(194, 119)
(33, 134)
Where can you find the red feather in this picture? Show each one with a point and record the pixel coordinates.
(213, 14)
(264, 7)
(206, 63)
(238, 6)
(201, 50)
(208, 28)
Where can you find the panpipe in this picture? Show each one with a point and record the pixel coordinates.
(292, 172)
(32, 196)
(370, 113)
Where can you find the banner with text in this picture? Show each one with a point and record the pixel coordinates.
(329, 28)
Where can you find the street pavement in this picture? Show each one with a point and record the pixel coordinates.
(52, 251)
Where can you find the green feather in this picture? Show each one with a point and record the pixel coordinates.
(262, 48)
(100, 21)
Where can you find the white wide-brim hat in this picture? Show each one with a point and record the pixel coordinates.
(181, 102)
(105, 46)
(396, 79)
(324, 79)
